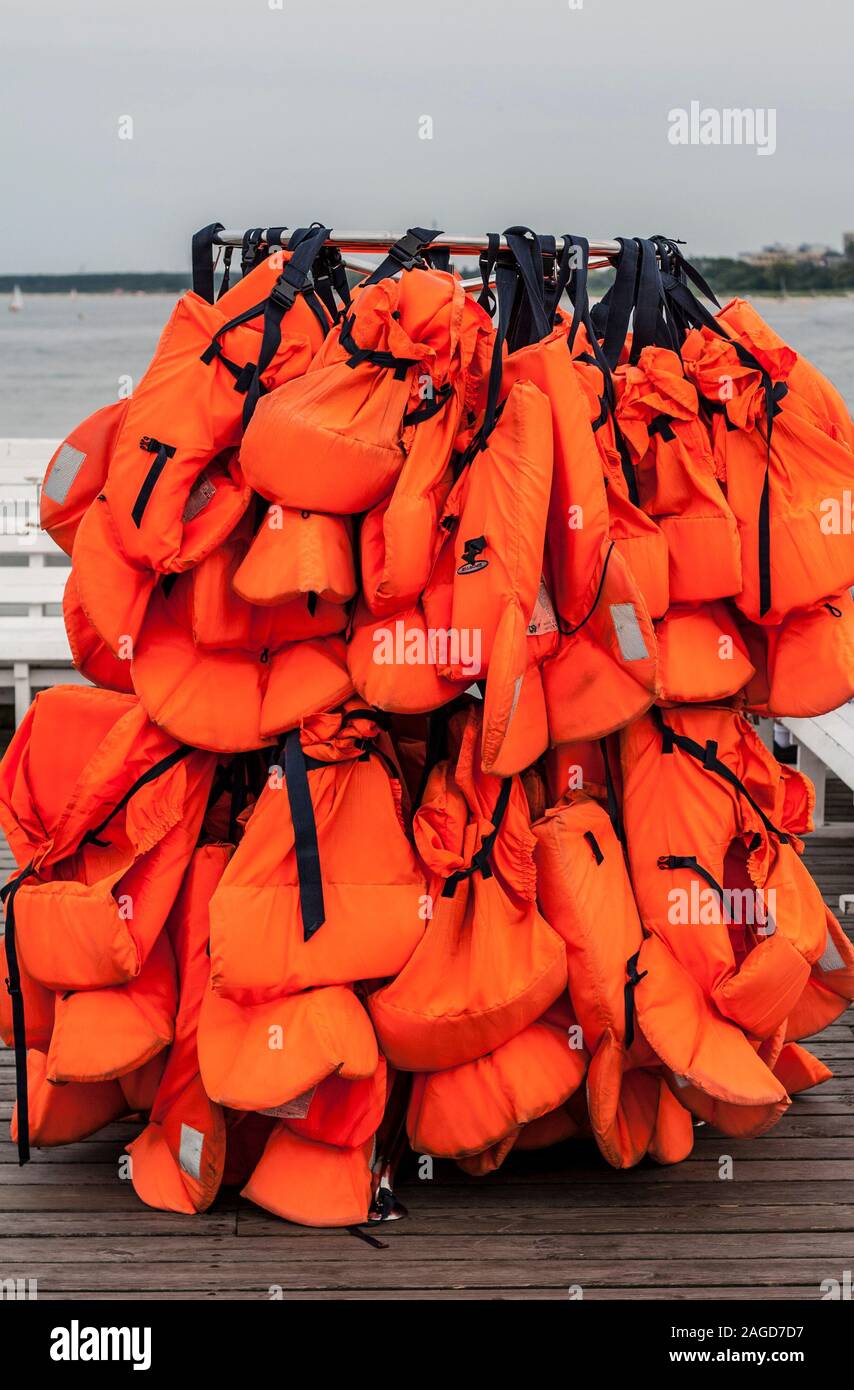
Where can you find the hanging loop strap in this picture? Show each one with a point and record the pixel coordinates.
(203, 260)
(294, 280)
(404, 255)
(612, 315)
(19, 1028)
(312, 909)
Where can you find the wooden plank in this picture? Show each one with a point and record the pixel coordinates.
(406, 1247)
(53, 1227)
(377, 1271)
(548, 1197)
(430, 1215)
(787, 1293)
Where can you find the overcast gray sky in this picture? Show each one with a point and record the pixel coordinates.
(544, 112)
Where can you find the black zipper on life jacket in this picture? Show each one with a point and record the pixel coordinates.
(480, 860)
(689, 861)
(19, 1026)
(164, 452)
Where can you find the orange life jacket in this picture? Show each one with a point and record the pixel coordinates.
(804, 665)
(711, 819)
(102, 821)
(605, 669)
(302, 902)
(786, 462)
(174, 488)
(178, 1159)
(487, 964)
(221, 673)
(360, 413)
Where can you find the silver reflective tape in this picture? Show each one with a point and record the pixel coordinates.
(66, 466)
(831, 960)
(190, 1151)
(295, 1109)
(628, 630)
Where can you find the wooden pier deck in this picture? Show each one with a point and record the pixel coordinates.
(545, 1224)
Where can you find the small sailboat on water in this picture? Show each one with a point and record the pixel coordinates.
(16, 301)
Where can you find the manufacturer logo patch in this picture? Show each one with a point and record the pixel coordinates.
(471, 550)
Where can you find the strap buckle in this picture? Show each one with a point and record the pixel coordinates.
(407, 251)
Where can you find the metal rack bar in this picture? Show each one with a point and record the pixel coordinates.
(380, 241)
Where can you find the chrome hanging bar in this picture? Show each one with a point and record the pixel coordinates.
(381, 241)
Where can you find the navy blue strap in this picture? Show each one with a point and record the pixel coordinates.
(203, 261)
(309, 875)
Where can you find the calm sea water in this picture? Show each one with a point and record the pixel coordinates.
(63, 358)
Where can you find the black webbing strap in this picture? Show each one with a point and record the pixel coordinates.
(330, 279)
(92, 837)
(203, 260)
(648, 302)
(626, 465)
(430, 406)
(707, 755)
(515, 269)
(697, 315)
(310, 879)
(404, 255)
(594, 847)
(577, 252)
(690, 861)
(163, 453)
(614, 813)
(439, 257)
(253, 251)
(486, 298)
(633, 979)
(19, 1029)
(294, 280)
(226, 271)
(480, 860)
(357, 355)
(612, 315)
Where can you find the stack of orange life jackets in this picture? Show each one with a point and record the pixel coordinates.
(417, 792)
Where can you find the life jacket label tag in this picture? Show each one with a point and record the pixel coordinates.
(543, 618)
(202, 492)
(190, 1151)
(628, 632)
(66, 466)
(295, 1109)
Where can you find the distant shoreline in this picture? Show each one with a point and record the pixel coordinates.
(726, 277)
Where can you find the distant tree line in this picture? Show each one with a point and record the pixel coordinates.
(723, 274)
